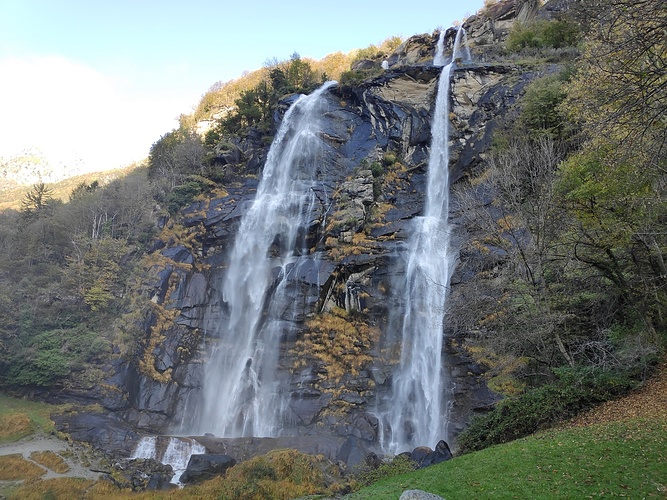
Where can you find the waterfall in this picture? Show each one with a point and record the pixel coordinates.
(168, 450)
(461, 49)
(439, 59)
(146, 448)
(242, 387)
(417, 414)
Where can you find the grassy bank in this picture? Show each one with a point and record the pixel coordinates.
(20, 418)
(625, 459)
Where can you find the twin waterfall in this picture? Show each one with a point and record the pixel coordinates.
(244, 393)
(242, 389)
(417, 415)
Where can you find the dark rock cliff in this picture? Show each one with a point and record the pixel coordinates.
(378, 134)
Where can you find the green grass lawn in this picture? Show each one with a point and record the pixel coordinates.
(20, 418)
(621, 459)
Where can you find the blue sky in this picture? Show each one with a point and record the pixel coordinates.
(104, 79)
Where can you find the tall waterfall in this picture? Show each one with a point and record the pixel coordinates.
(242, 388)
(439, 59)
(417, 414)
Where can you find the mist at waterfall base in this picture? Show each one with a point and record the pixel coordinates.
(417, 414)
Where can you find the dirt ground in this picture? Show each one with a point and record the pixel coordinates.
(650, 401)
(74, 455)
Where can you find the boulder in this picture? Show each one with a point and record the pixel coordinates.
(423, 456)
(142, 474)
(206, 466)
(419, 495)
(353, 452)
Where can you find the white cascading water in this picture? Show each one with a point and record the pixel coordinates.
(242, 389)
(440, 58)
(176, 452)
(146, 448)
(461, 49)
(417, 415)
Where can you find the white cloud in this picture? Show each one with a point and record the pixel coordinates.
(68, 111)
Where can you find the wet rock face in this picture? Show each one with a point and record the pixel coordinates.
(373, 180)
(206, 466)
(106, 431)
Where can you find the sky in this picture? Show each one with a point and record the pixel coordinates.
(101, 80)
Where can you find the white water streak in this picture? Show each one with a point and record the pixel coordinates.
(146, 448)
(439, 59)
(242, 392)
(461, 48)
(176, 452)
(418, 415)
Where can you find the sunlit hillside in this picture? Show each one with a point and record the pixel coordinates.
(11, 193)
(221, 97)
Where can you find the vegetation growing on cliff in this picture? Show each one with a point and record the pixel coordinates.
(573, 288)
(340, 342)
(580, 203)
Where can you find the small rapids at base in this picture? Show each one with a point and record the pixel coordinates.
(169, 450)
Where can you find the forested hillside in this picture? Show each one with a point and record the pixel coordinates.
(578, 303)
(74, 254)
(562, 219)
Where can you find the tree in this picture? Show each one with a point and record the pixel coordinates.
(175, 155)
(82, 189)
(520, 315)
(614, 188)
(36, 201)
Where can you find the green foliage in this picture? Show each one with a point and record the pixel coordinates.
(542, 34)
(575, 390)
(389, 158)
(355, 77)
(377, 169)
(352, 77)
(540, 112)
(255, 106)
(184, 194)
(369, 52)
(49, 356)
